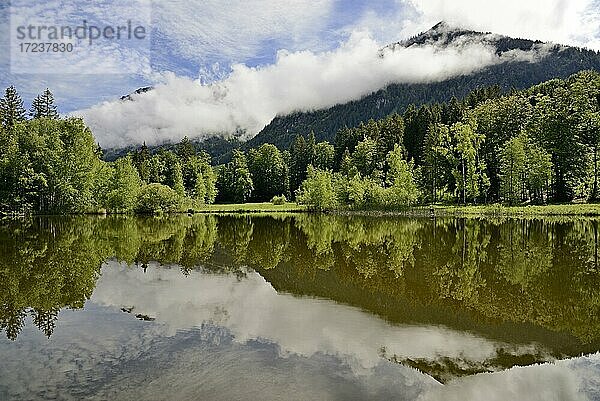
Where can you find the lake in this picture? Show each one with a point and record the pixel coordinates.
(299, 307)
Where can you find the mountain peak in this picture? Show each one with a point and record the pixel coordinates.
(442, 33)
(442, 25)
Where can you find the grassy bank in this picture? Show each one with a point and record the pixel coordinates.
(459, 211)
(515, 211)
(251, 208)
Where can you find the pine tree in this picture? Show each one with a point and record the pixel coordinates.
(11, 108)
(43, 106)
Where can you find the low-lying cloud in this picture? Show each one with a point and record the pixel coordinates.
(250, 97)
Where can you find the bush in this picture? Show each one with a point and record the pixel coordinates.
(317, 190)
(279, 200)
(157, 198)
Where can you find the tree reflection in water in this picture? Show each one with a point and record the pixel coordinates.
(512, 280)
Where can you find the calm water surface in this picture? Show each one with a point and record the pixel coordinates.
(301, 307)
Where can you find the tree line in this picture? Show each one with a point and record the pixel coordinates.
(52, 165)
(534, 146)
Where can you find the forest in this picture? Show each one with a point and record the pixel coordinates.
(534, 146)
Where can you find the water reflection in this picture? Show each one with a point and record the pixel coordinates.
(449, 297)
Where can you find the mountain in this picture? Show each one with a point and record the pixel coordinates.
(560, 62)
(137, 92)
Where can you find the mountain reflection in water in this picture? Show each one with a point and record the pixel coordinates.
(327, 307)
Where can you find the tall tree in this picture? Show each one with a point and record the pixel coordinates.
(324, 156)
(234, 181)
(185, 149)
(435, 154)
(512, 169)
(11, 108)
(402, 187)
(299, 161)
(469, 169)
(269, 172)
(43, 106)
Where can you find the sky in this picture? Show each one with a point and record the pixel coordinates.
(222, 69)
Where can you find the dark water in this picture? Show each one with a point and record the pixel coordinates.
(300, 307)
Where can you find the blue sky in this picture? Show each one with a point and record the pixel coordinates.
(299, 51)
(195, 39)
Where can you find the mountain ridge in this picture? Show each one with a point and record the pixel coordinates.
(559, 62)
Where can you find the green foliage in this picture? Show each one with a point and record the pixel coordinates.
(279, 200)
(324, 156)
(158, 198)
(11, 109)
(124, 187)
(234, 181)
(469, 168)
(43, 106)
(525, 171)
(269, 172)
(402, 190)
(436, 170)
(49, 166)
(512, 170)
(317, 190)
(364, 157)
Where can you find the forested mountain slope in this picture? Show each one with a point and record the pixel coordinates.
(560, 62)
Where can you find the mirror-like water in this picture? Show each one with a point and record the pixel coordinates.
(299, 307)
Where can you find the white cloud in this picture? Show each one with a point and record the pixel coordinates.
(299, 326)
(249, 98)
(32, 23)
(236, 30)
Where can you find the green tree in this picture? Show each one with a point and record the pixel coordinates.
(365, 158)
(402, 189)
(468, 168)
(324, 156)
(435, 154)
(300, 158)
(43, 106)
(234, 181)
(11, 108)
(268, 171)
(125, 186)
(512, 169)
(185, 149)
(538, 171)
(157, 198)
(317, 190)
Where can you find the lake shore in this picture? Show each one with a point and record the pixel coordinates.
(265, 207)
(582, 210)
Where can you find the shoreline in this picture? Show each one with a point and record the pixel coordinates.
(484, 211)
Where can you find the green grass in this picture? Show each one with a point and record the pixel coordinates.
(266, 207)
(466, 211)
(516, 211)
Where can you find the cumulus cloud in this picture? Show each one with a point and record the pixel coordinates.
(250, 97)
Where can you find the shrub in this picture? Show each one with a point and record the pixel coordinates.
(157, 198)
(317, 190)
(279, 200)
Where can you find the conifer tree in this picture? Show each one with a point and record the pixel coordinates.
(43, 106)
(11, 108)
